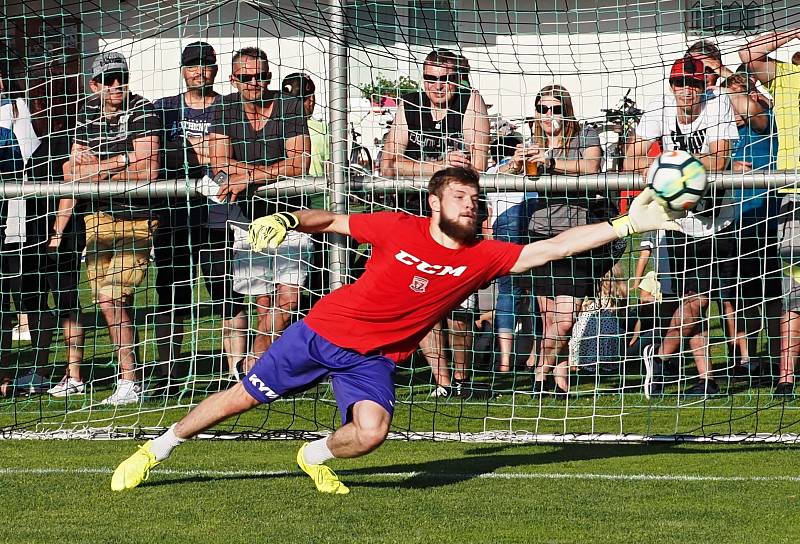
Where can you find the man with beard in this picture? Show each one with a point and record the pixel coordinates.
(420, 268)
(186, 119)
(258, 135)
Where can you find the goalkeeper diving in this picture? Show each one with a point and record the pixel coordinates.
(419, 269)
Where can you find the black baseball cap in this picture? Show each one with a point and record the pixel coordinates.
(198, 54)
(299, 85)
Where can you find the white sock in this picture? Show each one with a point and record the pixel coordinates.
(317, 452)
(162, 446)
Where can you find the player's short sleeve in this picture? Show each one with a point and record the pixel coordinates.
(82, 136)
(144, 120)
(651, 125)
(371, 228)
(225, 113)
(501, 257)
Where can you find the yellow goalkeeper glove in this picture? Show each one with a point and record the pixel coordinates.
(269, 231)
(645, 214)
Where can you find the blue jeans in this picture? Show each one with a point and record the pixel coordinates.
(511, 226)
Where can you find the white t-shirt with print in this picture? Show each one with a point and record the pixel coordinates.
(715, 122)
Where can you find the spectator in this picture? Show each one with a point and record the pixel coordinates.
(513, 213)
(598, 338)
(18, 143)
(454, 332)
(783, 83)
(55, 105)
(709, 54)
(683, 120)
(445, 124)
(752, 279)
(561, 145)
(302, 86)
(796, 58)
(117, 140)
(257, 136)
(186, 225)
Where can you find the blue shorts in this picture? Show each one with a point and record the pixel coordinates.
(301, 358)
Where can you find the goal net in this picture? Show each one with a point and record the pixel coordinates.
(125, 303)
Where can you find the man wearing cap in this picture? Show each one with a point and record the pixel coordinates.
(186, 228)
(302, 86)
(688, 119)
(258, 135)
(117, 140)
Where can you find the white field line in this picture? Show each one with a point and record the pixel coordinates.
(425, 475)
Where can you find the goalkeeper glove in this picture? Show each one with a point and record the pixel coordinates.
(269, 231)
(645, 214)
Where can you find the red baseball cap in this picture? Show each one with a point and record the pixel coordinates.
(688, 68)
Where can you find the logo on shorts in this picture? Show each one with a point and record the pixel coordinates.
(262, 387)
(419, 285)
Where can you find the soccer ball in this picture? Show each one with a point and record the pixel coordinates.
(678, 180)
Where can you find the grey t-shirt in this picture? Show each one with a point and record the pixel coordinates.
(262, 147)
(586, 138)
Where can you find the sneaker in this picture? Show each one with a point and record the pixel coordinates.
(127, 392)
(703, 388)
(31, 383)
(18, 335)
(324, 478)
(163, 386)
(66, 387)
(237, 373)
(440, 392)
(750, 369)
(784, 389)
(135, 469)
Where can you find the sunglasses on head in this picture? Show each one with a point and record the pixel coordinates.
(447, 78)
(544, 109)
(687, 82)
(248, 78)
(109, 78)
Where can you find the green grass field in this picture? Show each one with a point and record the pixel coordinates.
(444, 492)
(408, 491)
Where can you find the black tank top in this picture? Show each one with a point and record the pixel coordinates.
(427, 139)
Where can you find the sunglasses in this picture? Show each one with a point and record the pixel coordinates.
(687, 82)
(447, 78)
(250, 78)
(544, 109)
(109, 78)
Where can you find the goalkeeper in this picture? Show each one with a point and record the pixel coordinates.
(420, 268)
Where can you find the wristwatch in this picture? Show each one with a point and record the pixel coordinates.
(126, 160)
(551, 164)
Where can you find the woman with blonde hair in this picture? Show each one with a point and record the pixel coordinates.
(561, 145)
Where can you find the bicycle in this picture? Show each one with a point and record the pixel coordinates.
(361, 163)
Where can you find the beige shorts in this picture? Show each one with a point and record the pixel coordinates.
(117, 254)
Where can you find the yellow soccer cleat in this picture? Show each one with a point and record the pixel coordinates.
(324, 478)
(135, 469)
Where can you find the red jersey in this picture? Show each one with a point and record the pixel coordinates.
(410, 283)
